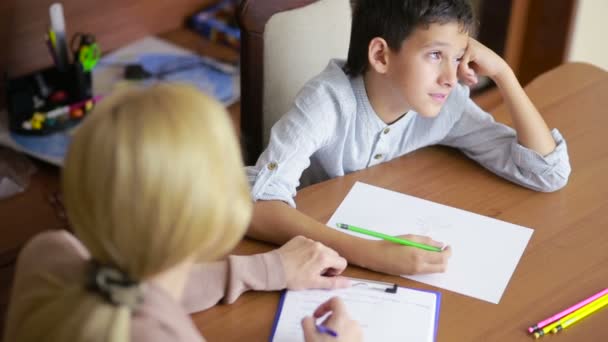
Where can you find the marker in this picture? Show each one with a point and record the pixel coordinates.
(58, 35)
(325, 330)
(565, 312)
(52, 38)
(389, 238)
(580, 314)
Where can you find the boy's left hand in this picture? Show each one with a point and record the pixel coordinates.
(480, 60)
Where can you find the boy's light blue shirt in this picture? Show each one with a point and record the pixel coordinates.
(332, 130)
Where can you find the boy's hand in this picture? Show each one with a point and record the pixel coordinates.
(480, 60)
(311, 265)
(339, 321)
(397, 259)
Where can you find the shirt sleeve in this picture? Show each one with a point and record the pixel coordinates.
(302, 131)
(226, 280)
(496, 148)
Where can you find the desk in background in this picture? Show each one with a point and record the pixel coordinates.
(25, 214)
(565, 261)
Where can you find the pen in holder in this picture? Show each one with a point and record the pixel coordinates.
(57, 36)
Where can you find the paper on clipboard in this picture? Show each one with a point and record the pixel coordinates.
(384, 311)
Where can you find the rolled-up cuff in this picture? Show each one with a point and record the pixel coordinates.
(535, 163)
(263, 188)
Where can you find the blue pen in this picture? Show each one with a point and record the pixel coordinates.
(325, 330)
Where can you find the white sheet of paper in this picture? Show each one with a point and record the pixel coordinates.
(407, 315)
(110, 69)
(485, 251)
(106, 76)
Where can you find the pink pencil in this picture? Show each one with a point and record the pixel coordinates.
(567, 311)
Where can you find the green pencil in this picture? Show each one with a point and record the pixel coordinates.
(388, 237)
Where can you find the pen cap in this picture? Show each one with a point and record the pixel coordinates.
(57, 19)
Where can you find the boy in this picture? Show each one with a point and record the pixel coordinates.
(398, 92)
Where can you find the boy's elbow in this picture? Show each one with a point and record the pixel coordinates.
(557, 185)
(556, 182)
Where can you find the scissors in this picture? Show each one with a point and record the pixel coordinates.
(88, 52)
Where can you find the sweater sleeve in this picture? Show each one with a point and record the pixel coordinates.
(52, 258)
(226, 280)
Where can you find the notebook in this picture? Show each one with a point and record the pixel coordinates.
(385, 312)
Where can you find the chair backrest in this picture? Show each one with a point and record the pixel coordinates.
(284, 43)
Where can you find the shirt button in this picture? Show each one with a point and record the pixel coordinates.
(272, 166)
(378, 156)
(386, 130)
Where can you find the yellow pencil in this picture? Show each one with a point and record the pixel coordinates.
(544, 331)
(584, 312)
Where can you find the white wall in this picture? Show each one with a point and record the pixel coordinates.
(588, 41)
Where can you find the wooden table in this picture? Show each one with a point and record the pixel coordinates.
(565, 261)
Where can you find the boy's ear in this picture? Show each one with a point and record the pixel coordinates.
(378, 55)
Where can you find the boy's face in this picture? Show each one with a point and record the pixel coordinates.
(423, 73)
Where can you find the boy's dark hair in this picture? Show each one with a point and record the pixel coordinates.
(395, 20)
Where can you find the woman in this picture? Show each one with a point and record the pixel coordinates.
(155, 191)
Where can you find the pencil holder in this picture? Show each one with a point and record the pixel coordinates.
(49, 100)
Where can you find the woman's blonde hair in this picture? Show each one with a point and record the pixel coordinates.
(152, 178)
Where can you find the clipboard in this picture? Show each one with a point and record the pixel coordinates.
(385, 311)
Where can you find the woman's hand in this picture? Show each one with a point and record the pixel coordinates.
(311, 265)
(338, 321)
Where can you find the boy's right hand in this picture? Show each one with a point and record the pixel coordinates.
(397, 259)
(339, 321)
